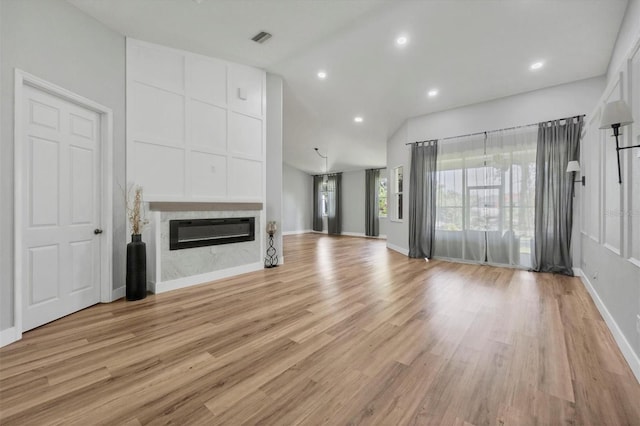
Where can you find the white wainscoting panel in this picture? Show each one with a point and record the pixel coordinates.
(246, 89)
(155, 65)
(591, 149)
(242, 174)
(208, 127)
(207, 80)
(159, 169)
(245, 134)
(157, 116)
(208, 175)
(191, 121)
(612, 202)
(633, 158)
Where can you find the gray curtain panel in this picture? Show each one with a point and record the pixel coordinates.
(317, 203)
(334, 192)
(557, 145)
(371, 184)
(422, 199)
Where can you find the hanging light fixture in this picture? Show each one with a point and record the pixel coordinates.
(616, 114)
(325, 178)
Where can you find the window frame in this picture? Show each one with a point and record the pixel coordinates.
(397, 195)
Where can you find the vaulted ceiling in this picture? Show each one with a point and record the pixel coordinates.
(469, 50)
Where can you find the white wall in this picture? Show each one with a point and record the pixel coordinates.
(57, 42)
(274, 157)
(297, 200)
(353, 202)
(627, 36)
(546, 104)
(398, 155)
(610, 229)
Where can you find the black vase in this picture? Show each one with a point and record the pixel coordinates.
(136, 268)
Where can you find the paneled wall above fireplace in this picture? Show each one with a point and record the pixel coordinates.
(195, 126)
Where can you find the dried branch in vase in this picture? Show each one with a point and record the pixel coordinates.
(135, 210)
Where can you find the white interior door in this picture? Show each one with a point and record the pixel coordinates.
(61, 208)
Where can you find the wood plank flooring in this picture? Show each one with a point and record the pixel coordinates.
(346, 332)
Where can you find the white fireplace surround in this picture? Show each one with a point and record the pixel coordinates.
(174, 269)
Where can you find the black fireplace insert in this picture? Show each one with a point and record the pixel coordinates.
(210, 232)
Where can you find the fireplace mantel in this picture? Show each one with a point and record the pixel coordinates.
(190, 206)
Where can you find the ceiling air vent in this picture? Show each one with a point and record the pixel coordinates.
(261, 37)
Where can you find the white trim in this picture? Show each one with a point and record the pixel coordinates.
(612, 248)
(118, 293)
(302, 231)
(164, 286)
(398, 249)
(362, 235)
(625, 347)
(106, 146)
(9, 336)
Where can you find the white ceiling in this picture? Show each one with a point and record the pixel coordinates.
(471, 50)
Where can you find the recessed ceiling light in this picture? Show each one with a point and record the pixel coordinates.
(322, 75)
(432, 93)
(536, 66)
(358, 119)
(402, 40)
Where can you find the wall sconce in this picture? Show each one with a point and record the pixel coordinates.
(574, 167)
(616, 114)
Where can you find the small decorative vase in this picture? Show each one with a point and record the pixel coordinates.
(136, 268)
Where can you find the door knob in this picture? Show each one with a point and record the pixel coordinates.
(97, 231)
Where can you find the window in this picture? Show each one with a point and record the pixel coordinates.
(485, 197)
(382, 197)
(325, 203)
(449, 198)
(397, 193)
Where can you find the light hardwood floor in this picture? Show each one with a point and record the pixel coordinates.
(346, 332)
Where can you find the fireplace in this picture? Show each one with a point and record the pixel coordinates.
(209, 232)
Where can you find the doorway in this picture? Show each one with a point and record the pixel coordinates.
(63, 201)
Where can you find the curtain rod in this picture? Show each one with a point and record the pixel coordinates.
(493, 131)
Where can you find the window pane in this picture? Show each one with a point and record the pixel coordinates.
(382, 197)
(449, 189)
(398, 179)
(449, 219)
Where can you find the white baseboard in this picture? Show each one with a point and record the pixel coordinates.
(8, 336)
(398, 249)
(164, 286)
(304, 231)
(362, 235)
(625, 347)
(118, 293)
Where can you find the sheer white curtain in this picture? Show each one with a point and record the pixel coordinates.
(485, 197)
